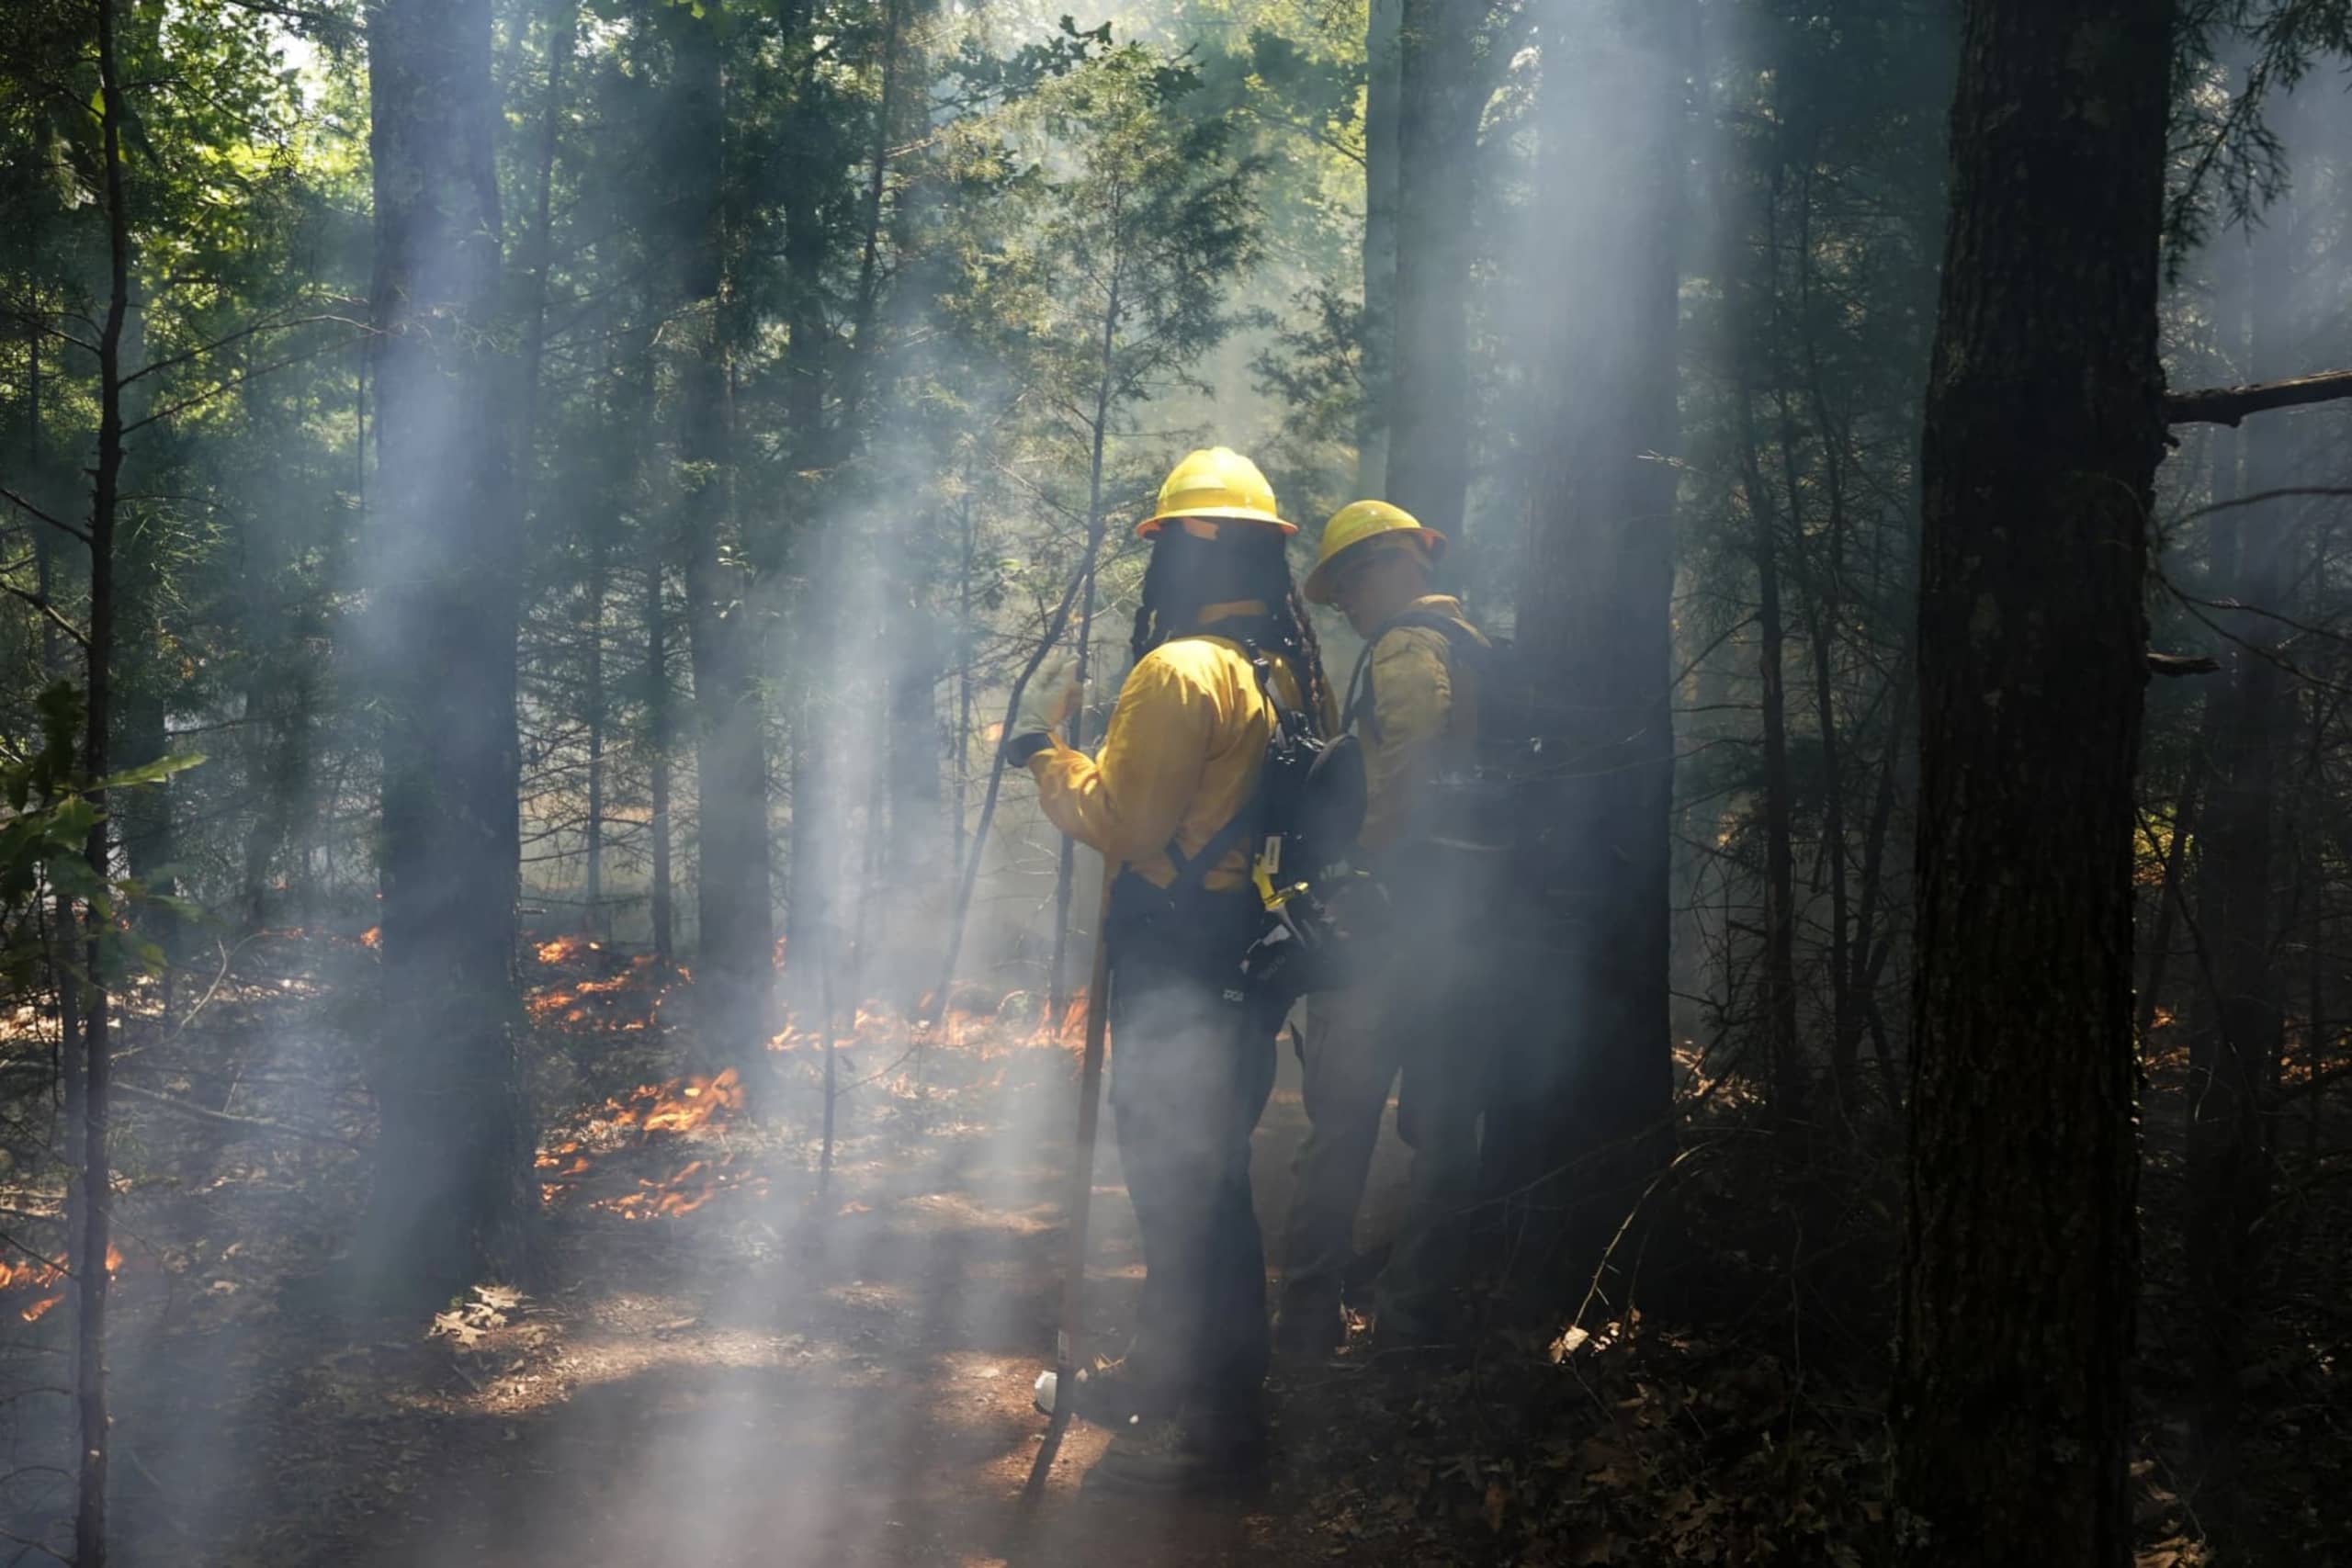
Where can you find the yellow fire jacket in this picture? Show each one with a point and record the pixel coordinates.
(1186, 744)
(1424, 712)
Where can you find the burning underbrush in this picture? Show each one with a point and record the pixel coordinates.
(680, 1120)
(33, 1287)
(981, 1030)
(593, 987)
(671, 1146)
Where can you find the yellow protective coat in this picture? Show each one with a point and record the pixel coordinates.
(1424, 713)
(1186, 744)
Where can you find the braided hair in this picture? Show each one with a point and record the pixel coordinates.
(1186, 574)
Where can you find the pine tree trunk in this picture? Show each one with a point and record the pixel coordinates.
(142, 816)
(1778, 1000)
(734, 921)
(1384, 91)
(1596, 588)
(452, 1196)
(93, 1239)
(562, 26)
(821, 790)
(658, 733)
(1065, 871)
(592, 699)
(2044, 424)
(1429, 421)
(2234, 1063)
(968, 642)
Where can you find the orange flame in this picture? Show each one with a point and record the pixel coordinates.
(39, 1275)
(699, 1102)
(680, 1107)
(372, 937)
(693, 1186)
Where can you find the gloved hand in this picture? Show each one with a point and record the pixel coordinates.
(1047, 701)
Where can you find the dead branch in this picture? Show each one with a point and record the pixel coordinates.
(243, 1124)
(30, 510)
(2230, 405)
(40, 603)
(2175, 665)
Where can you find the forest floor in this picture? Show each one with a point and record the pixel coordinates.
(713, 1362)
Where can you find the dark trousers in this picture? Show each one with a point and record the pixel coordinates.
(1189, 1075)
(1353, 1047)
(1423, 1011)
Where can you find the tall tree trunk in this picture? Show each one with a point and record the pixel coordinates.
(864, 349)
(1065, 873)
(1384, 97)
(1597, 579)
(1823, 613)
(592, 699)
(1440, 96)
(734, 919)
(142, 816)
(659, 732)
(2234, 1063)
(452, 1196)
(967, 645)
(2044, 424)
(822, 744)
(1778, 1000)
(562, 26)
(96, 1186)
(1872, 948)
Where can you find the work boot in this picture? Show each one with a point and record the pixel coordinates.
(1119, 1395)
(1169, 1457)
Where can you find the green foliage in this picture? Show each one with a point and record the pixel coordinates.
(44, 853)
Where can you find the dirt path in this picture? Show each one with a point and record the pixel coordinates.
(729, 1388)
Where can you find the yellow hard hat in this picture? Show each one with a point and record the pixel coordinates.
(1215, 482)
(1353, 525)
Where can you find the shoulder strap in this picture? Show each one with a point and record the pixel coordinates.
(1237, 828)
(1361, 698)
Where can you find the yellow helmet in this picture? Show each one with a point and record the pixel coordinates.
(1215, 482)
(1357, 523)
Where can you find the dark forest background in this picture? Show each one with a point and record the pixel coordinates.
(482, 477)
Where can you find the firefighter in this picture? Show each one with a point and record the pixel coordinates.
(1169, 801)
(1413, 707)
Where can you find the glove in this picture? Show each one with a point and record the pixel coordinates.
(1049, 699)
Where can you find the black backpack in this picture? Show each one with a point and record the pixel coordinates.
(1303, 819)
(1496, 815)
(1305, 813)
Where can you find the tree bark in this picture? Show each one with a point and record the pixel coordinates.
(1384, 97)
(734, 917)
(593, 700)
(562, 25)
(1065, 871)
(2044, 425)
(2231, 405)
(452, 1197)
(96, 1186)
(2234, 1062)
(658, 742)
(1596, 587)
(1782, 1069)
(1437, 128)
